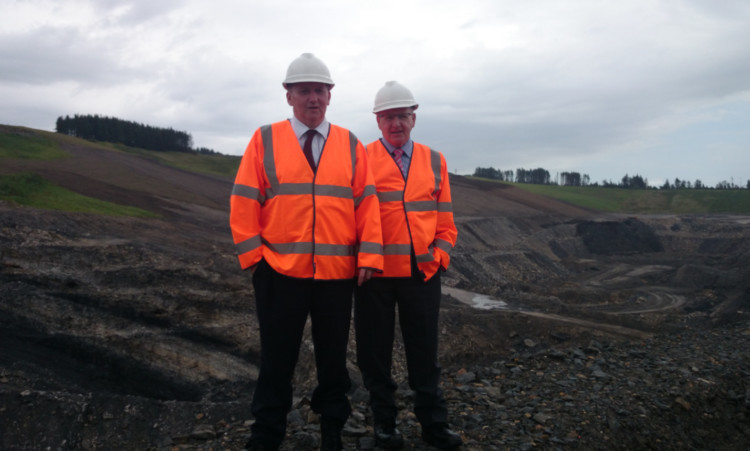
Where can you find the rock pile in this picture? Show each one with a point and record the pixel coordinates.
(689, 390)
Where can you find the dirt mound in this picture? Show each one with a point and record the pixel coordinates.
(630, 236)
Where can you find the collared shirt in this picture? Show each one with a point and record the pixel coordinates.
(318, 141)
(405, 157)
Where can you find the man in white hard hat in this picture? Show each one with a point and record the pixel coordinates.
(304, 217)
(418, 235)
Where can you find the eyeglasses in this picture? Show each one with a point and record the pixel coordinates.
(403, 117)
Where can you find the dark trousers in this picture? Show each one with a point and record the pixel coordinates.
(283, 304)
(418, 304)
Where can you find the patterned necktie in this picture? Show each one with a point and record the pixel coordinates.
(308, 148)
(397, 157)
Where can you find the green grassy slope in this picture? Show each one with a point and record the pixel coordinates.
(34, 191)
(16, 142)
(30, 189)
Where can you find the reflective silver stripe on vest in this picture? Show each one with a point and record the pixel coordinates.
(248, 245)
(425, 258)
(368, 191)
(247, 191)
(344, 192)
(391, 196)
(442, 207)
(371, 248)
(420, 205)
(397, 249)
(444, 245)
(335, 250)
(290, 248)
(435, 159)
(292, 188)
(445, 207)
(266, 134)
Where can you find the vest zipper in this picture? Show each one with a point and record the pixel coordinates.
(315, 175)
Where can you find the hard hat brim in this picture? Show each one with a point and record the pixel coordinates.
(393, 105)
(311, 78)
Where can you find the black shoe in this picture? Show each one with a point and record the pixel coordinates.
(439, 436)
(330, 434)
(255, 445)
(388, 437)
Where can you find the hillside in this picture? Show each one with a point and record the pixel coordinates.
(608, 331)
(124, 178)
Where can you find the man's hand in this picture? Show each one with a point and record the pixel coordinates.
(364, 275)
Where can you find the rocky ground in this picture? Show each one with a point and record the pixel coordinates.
(560, 328)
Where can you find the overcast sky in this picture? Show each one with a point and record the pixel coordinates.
(658, 88)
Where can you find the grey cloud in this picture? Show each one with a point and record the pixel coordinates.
(129, 13)
(49, 55)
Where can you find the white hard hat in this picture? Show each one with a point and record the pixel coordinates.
(393, 95)
(307, 67)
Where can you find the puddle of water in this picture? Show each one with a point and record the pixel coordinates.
(476, 300)
(484, 302)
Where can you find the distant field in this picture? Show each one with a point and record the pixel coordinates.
(32, 190)
(645, 201)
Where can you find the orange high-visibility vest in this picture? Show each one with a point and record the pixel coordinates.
(416, 213)
(306, 224)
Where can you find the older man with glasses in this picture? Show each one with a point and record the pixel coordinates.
(418, 234)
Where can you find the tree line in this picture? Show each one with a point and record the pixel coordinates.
(538, 176)
(541, 176)
(111, 129)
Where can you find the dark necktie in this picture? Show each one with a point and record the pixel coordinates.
(397, 156)
(308, 148)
